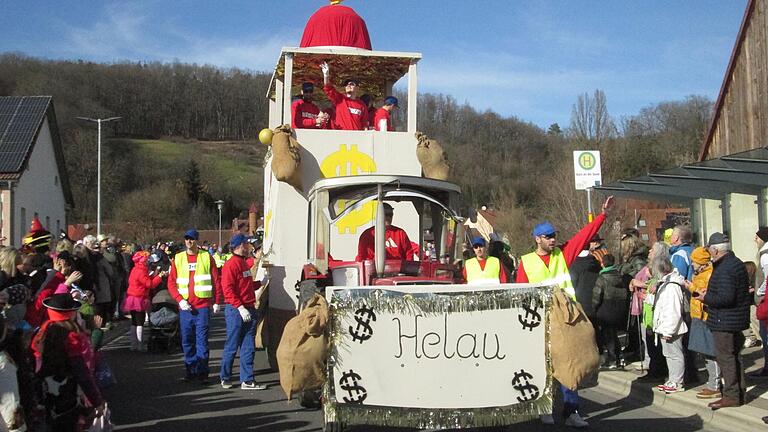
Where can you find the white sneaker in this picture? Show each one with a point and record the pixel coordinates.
(252, 385)
(547, 419)
(575, 420)
(226, 384)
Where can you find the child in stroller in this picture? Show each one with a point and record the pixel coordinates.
(163, 323)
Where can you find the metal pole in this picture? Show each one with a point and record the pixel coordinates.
(219, 225)
(590, 215)
(98, 184)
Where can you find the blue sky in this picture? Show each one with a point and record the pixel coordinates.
(530, 59)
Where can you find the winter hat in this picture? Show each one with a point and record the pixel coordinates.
(17, 294)
(700, 255)
(140, 257)
(763, 233)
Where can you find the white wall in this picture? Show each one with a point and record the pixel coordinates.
(744, 224)
(39, 190)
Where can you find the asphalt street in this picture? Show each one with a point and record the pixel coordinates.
(151, 396)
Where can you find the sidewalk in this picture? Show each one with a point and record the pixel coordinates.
(746, 417)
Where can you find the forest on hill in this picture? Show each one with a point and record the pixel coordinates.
(210, 116)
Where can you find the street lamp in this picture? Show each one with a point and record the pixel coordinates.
(98, 170)
(219, 203)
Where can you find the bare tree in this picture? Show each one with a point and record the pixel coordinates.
(590, 120)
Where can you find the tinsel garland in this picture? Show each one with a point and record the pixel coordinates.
(344, 303)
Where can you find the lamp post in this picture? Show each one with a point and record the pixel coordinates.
(219, 203)
(98, 121)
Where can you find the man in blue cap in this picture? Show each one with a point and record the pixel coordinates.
(194, 283)
(483, 269)
(382, 121)
(304, 113)
(241, 315)
(549, 263)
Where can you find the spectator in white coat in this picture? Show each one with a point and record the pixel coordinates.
(668, 323)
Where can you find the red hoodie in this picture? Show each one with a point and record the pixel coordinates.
(139, 282)
(237, 282)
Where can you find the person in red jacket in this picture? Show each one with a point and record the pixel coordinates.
(351, 112)
(140, 285)
(398, 245)
(240, 313)
(37, 313)
(194, 283)
(382, 121)
(304, 113)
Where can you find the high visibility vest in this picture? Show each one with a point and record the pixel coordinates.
(487, 275)
(556, 273)
(220, 260)
(203, 282)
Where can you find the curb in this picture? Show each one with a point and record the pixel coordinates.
(745, 417)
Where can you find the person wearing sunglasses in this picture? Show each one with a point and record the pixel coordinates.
(549, 263)
(483, 269)
(351, 111)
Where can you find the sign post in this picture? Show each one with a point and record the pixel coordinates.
(587, 174)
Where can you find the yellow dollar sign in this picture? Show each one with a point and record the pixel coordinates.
(347, 162)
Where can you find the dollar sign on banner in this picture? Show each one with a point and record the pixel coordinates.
(532, 318)
(349, 382)
(363, 331)
(348, 162)
(522, 384)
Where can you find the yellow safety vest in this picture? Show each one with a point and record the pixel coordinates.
(202, 268)
(220, 260)
(556, 273)
(487, 275)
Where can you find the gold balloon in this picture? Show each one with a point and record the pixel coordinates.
(265, 136)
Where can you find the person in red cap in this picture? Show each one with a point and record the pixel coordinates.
(351, 112)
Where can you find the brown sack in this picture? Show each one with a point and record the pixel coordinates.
(302, 351)
(430, 154)
(572, 342)
(286, 160)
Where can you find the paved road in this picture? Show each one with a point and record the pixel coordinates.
(150, 396)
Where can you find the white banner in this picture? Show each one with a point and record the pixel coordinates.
(421, 357)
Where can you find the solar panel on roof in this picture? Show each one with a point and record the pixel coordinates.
(20, 119)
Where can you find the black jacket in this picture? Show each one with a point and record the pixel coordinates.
(610, 299)
(727, 300)
(584, 270)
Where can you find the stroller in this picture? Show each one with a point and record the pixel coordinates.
(163, 324)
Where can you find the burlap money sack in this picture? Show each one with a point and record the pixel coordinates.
(429, 152)
(572, 342)
(286, 159)
(303, 348)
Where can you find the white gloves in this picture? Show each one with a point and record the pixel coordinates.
(326, 69)
(244, 313)
(216, 308)
(184, 305)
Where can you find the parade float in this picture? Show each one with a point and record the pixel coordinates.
(408, 344)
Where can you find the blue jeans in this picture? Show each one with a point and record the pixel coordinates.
(194, 340)
(570, 401)
(240, 335)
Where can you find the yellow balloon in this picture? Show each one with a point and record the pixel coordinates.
(265, 136)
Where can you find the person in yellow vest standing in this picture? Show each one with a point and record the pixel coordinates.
(483, 269)
(194, 284)
(549, 263)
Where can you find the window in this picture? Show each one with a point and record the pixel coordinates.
(47, 222)
(58, 227)
(55, 180)
(641, 222)
(644, 237)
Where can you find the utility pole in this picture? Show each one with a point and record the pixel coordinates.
(98, 121)
(219, 204)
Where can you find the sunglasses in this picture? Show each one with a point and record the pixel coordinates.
(478, 246)
(549, 236)
(189, 239)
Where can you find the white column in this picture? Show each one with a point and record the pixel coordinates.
(413, 96)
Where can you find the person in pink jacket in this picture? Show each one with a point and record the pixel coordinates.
(137, 303)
